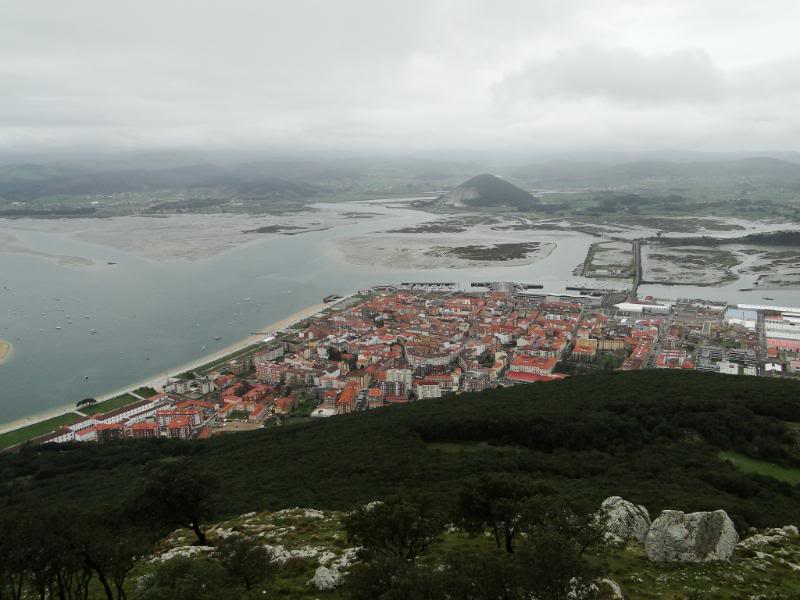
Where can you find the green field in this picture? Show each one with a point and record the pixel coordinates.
(252, 349)
(145, 392)
(12, 438)
(762, 467)
(110, 404)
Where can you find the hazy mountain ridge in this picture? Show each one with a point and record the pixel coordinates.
(642, 170)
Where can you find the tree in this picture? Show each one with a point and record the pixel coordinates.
(110, 546)
(186, 579)
(549, 567)
(498, 501)
(400, 528)
(246, 562)
(15, 553)
(177, 493)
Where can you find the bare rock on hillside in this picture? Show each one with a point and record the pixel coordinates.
(623, 520)
(695, 537)
(325, 578)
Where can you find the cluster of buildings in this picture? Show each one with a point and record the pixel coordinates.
(400, 345)
(162, 415)
(733, 340)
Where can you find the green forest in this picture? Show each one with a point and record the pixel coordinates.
(661, 439)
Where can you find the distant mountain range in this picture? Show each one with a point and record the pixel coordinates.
(297, 178)
(763, 168)
(486, 191)
(31, 181)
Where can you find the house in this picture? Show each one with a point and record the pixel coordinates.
(109, 431)
(179, 428)
(143, 430)
(585, 349)
(535, 365)
(283, 406)
(258, 413)
(346, 402)
(727, 367)
(87, 434)
(193, 416)
(375, 397)
(425, 391)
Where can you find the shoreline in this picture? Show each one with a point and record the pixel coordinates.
(6, 350)
(156, 381)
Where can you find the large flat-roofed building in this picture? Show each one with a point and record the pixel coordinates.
(634, 308)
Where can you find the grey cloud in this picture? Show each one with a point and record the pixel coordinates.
(619, 74)
(391, 74)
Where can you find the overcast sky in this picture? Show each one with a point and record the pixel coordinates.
(401, 75)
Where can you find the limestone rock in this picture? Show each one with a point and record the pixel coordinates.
(183, 552)
(770, 536)
(695, 537)
(624, 520)
(610, 590)
(325, 578)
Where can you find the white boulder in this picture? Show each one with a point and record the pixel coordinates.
(325, 578)
(623, 520)
(695, 537)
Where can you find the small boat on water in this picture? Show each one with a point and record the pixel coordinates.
(111, 263)
(217, 338)
(765, 298)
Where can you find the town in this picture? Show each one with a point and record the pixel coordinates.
(413, 342)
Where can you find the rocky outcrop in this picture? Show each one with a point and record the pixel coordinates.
(623, 521)
(609, 589)
(325, 578)
(695, 537)
(600, 589)
(770, 536)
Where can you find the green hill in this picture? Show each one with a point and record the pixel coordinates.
(165, 520)
(487, 191)
(652, 437)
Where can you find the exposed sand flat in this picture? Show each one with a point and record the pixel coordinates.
(157, 381)
(10, 243)
(431, 252)
(190, 237)
(5, 350)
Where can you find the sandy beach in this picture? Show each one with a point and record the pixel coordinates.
(5, 350)
(158, 380)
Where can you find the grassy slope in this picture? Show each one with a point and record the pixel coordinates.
(17, 436)
(651, 437)
(746, 574)
(109, 405)
(762, 467)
